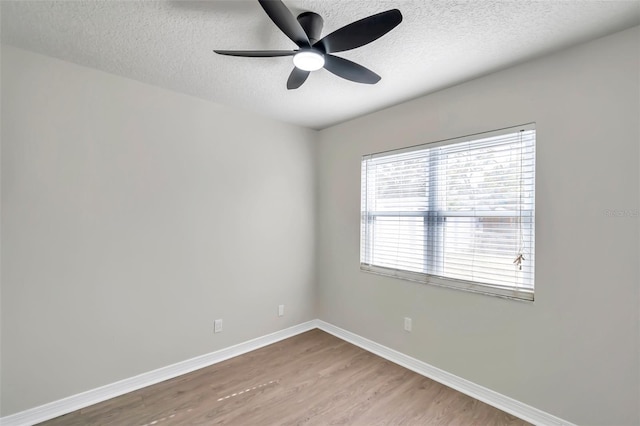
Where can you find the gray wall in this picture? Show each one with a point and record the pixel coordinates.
(132, 217)
(574, 351)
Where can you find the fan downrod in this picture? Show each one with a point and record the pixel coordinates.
(312, 24)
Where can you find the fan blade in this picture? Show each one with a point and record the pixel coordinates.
(360, 32)
(350, 70)
(296, 78)
(256, 53)
(288, 24)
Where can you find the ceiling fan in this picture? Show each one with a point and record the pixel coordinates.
(314, 52)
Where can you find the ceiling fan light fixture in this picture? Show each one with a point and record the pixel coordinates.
(314, 51)
(308, 60)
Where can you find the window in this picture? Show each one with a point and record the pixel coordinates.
(456, 213)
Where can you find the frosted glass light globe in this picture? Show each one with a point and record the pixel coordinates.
(308, 61)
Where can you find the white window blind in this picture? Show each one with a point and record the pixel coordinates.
(457, 213)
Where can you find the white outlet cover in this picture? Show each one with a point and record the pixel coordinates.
(217, 326)
(407, 324)
(280, 310)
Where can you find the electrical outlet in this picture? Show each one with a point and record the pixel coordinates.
(280, 310)
(407, 324)
(217, 326)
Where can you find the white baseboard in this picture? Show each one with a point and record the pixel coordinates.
(75, 402)
(495, 399)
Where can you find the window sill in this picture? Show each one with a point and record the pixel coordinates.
(522, 295)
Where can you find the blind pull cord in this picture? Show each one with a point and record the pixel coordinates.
(518, 261)
(520, 258)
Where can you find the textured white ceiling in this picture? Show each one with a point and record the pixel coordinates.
(439, 43)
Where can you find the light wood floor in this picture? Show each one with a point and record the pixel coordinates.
(311, 379)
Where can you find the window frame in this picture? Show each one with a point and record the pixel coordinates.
(510, 292)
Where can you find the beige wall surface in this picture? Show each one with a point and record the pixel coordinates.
(574, 352)
(132, 217)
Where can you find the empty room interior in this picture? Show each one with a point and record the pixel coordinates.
(320, 212)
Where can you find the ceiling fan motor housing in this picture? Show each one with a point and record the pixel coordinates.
(312, 24)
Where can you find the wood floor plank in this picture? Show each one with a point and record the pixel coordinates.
(310, 379)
